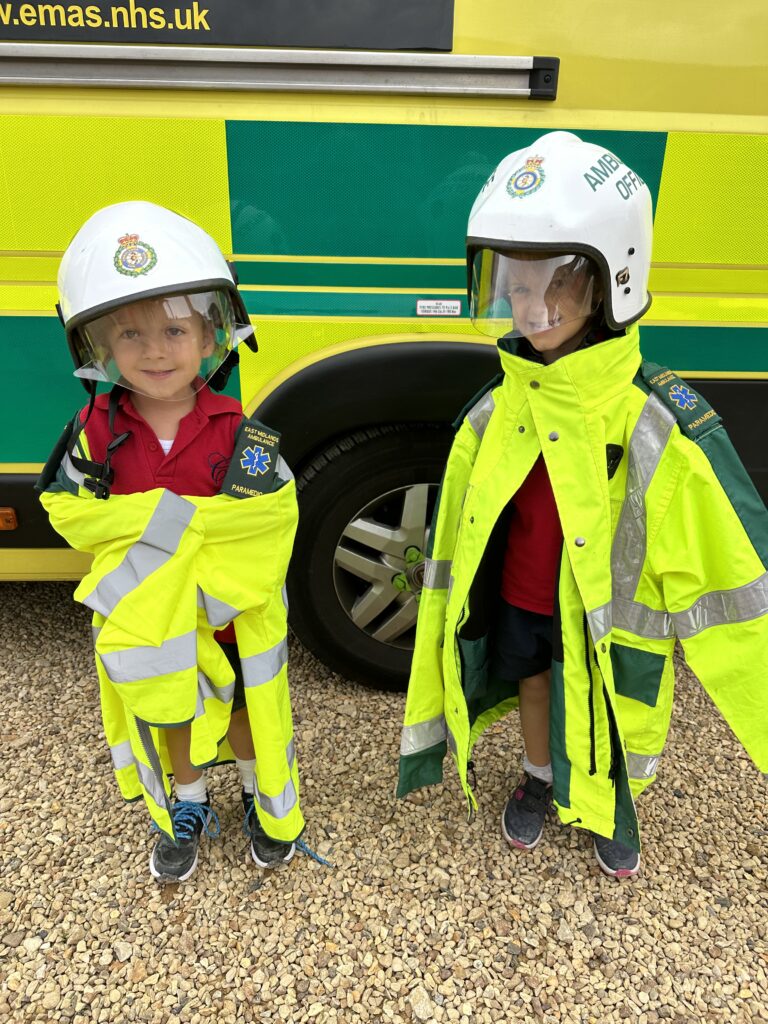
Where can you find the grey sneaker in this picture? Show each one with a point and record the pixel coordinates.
(522, 822)
(616, 859)
(171, 862)
(265, 852)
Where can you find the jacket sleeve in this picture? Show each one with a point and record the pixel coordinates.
(711, 554)
(424, 740)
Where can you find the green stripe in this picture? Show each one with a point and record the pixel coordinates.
(739, 488)
(330, 304)
(424, 769)
(726, 349)
(354, 275)
(378, 189)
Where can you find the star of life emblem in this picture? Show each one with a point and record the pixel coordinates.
(134, 257)
(527, 179)
(255, 461)
(683, 397)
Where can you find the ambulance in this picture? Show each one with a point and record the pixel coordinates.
(334, 150)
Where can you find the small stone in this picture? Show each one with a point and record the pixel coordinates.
(564, 933)
(32, 944)
(123, 951)
(421, 1004)
(14, 939)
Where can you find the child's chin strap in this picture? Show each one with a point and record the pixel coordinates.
(99, 475)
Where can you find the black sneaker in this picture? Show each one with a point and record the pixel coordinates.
(522, 822)
(172, 862)
(616, 859)
(266, 852)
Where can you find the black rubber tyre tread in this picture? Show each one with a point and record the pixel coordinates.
(368, 662)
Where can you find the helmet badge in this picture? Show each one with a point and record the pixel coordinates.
(134, 257)
(527, 179)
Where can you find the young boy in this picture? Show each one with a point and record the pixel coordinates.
(592, 512)
(150, 305)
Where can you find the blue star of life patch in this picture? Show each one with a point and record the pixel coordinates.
(683, 397)
(255, 460)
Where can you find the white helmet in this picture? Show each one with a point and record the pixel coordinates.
(138, 251)
(565, 199)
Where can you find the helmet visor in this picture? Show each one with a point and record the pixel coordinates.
(163, 347)
(527, 294)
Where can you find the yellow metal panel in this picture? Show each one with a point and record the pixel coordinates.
(63, 168)
(713, 201)
(284, 342)
(43, 564)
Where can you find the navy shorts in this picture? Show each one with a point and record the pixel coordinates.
(233, 657)
(521, 643)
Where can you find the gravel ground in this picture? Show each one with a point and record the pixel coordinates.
(422, 916)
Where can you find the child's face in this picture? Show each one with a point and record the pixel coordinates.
(549, 308)
(158, 345)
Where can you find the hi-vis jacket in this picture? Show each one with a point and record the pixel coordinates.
(665, 537)
(167, 572)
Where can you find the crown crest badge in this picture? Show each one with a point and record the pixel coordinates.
(527, 179)
(134, 257)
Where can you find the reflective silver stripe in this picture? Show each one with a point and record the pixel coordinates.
(284, 595)
(95, 630)
(283, 469)
(156, 545)
(74, 474)
(422, 735)
(719, 607)
(152, 785)
(122, 755)
(151, 778)
(277, 806)
(480, 413)
(207, 691)
(649, 438)
(218, 612)
(136, 663)
(451, 581)
(261, 668)
(600, 622)
(642, 766)
(641, 620)
(290, 753)
(437, 574)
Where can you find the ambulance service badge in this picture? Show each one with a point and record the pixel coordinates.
(134, 257)
(683, 397)
(528, 179)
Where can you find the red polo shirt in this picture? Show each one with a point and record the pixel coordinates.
(198, 459)
(534, 543)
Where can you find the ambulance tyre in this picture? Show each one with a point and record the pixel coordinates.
(365, 508)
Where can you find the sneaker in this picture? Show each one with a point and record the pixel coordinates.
(522, 822)
(175, 862)
(616, 859)
(266, 852)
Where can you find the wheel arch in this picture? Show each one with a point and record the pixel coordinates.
(344, 391)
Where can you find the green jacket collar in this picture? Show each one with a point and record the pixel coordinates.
(588, 376)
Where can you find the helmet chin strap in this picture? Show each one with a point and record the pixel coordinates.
(99, 476)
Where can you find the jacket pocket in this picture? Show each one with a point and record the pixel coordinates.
(474, 666)
(637, 674)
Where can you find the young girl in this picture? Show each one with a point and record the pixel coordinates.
(592, 512)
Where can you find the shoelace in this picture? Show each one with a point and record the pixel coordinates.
(186, 814)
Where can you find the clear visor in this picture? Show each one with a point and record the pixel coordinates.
(524, 294)
(161, 347)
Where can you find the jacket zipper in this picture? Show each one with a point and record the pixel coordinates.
(588, 663)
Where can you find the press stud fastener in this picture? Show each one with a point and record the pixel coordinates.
(603, 648)
(535, 384)
(554, 436)
(521, 429)
(580, 542)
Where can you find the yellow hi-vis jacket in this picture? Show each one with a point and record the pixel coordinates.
(167, 572)
(665, 538)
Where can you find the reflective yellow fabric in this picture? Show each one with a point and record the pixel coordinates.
(167, 572)
(643, 552)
